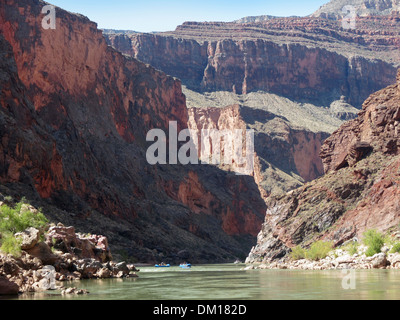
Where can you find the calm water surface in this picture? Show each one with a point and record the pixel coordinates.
(229, 282)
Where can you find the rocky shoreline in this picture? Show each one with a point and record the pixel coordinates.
(63, 256)
(338, 259)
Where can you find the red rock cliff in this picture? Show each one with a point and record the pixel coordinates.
(74, 114)
(293, 152)
(359, 192)
(376, 128)
(317, 62)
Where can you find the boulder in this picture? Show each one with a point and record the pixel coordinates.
(88, 268)
(30, 237)
(249, 268)
(8, 266)
(121, 267)
(27, 262)
(379, 261)
(43, 252)
(104, 273)
(62, 238)
(394, 260)
(67, 240)
(102, 250)
(346, 259)
(8, 288)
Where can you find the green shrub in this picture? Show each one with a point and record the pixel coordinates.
(17, 219)
(396, 248)
(319, 250)
(389, 240)
(374, 240)
(298, 253)
(10, 245)
(352, 248)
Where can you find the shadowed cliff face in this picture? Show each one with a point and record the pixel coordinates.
(359, 192)
(74, 115)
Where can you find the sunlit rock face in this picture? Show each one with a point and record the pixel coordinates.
(306, 59)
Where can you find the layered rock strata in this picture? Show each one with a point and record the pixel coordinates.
(74, 114)
(305, 59)
(359, 191)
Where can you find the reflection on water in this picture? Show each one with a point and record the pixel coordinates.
(229, 282)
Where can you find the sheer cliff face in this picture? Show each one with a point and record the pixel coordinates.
(312, 62)
(88, 71)
(318, 63)
(285, 157)
(359, 192)
(74, 116)
(288, 155)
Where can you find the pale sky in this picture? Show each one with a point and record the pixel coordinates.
(157, 15)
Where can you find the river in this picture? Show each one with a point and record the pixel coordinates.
(230, 282)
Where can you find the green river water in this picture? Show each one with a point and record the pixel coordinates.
(229, 282)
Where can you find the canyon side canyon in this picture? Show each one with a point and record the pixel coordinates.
(77, 102)
(295, 79)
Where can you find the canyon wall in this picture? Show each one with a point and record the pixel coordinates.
(285, 156)
(258, 63)
(74, 116)
(359, 191)
(303, 71)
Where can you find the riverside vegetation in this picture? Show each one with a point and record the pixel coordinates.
(374, 251)
(14, 220)
(34, 252)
